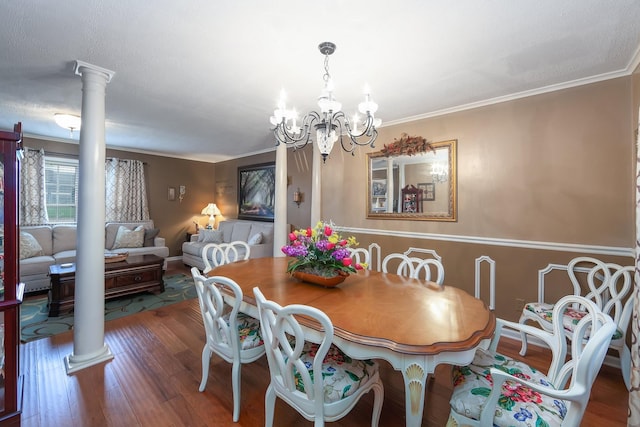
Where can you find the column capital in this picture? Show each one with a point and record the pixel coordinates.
(82, 66)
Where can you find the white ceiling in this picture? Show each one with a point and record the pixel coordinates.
(199, 79)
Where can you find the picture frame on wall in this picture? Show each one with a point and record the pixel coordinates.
(257, 192)
(428, 191)
(378, 187)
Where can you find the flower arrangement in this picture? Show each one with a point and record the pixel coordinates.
(321, 251)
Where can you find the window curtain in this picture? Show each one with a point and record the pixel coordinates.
(126, 191)
(634, 392)
(32, 208)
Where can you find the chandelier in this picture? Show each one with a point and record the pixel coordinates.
(439, 172)
(331, 123)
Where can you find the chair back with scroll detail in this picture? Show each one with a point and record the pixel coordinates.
(232, 335)
(224, 253)
(425, 268)
(308, 372)
(609, 287)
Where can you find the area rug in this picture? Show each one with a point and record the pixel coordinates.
(35, 322)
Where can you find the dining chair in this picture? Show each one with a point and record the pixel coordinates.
(360, 256)
(231, 334)
(495, 390)
(403, 264)
(610, 288)
(307, 371)
(427, 268)
(215, 254)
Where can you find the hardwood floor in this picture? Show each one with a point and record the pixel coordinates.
(153, 381)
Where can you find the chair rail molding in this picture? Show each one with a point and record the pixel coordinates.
(529, 244)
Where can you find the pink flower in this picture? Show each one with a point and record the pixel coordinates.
(330, 246)
(342, 242)
(327, 231)
(309, 232)
(347, 261)
(359, 267)
(292, 236)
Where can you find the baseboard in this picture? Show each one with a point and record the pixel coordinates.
(609, 360)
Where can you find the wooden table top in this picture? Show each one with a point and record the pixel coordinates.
(376, 309)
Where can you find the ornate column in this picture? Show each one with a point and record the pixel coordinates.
(89, 347)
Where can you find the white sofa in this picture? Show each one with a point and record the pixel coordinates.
(57, 245)
(259, 236)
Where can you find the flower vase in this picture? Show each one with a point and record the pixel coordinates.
(327, 282)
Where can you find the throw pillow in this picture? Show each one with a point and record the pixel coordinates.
(211, 236)
(126, 238)
(256, 239)
(149, 235)
(29, 246)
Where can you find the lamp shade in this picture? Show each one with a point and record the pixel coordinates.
(211, 209)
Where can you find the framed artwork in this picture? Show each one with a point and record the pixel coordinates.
(257, 192)
(171, 193)
(379, 187)
(428, 191)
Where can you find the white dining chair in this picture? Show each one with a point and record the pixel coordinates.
(428, 268)
(399, 264)
(231, 334)
(360, 256)
(495, 390)
(307, 371)
(215, 254)
(609, 286)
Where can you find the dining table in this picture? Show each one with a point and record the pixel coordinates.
(413, 324)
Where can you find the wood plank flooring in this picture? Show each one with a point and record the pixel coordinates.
(153, 381)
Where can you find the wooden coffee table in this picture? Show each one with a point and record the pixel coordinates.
(137, 273)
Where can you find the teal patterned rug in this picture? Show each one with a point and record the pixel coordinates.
(35, 322)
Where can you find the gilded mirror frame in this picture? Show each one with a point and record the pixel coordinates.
(443, 199)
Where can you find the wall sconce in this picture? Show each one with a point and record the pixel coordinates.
(182, 192)
(298, 197)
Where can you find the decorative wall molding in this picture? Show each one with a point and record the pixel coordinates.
(528, 244)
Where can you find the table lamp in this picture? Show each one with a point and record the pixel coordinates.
(212, 210)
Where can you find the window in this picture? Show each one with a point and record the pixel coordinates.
(61, 186)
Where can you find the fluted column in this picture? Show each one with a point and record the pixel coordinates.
(89, 347)
(280, 215)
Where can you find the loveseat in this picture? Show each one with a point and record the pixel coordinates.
(258, 235)
(44, 245)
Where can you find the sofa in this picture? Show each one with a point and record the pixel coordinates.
(258, 235)
(44, 245)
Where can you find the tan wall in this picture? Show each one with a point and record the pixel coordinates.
(553, 167)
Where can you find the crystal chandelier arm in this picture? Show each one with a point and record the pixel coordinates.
(353, 140)
(285, 135)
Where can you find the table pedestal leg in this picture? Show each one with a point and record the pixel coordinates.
(415, 380)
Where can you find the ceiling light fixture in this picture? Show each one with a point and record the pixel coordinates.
(68, 121)
(329, 123)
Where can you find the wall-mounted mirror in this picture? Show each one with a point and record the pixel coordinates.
(405, 183)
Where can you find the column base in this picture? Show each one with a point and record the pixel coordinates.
(73, 363)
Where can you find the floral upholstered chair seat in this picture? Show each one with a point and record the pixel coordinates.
(342, 375)
(517, 406)
(570, 318)
(248, 331)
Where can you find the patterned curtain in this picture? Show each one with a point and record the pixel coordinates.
(634, 393)
(126, 191)
(32, 209)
